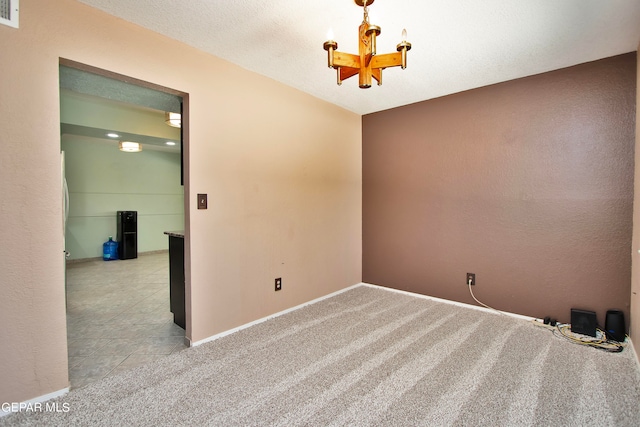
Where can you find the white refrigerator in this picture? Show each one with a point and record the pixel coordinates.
(65, 216)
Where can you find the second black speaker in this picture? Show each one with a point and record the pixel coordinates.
(614, 325)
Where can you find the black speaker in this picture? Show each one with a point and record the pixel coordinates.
(614, 325)
(127, 234)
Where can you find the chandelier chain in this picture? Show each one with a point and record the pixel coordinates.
(365, 7)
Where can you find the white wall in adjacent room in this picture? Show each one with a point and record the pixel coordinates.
(103, 180)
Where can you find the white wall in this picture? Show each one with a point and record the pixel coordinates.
(103, 180)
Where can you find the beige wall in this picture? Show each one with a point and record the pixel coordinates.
(282, 170)
(634, 327)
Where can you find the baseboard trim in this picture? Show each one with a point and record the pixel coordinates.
(30, 405)
(633, 349)
(264, 319)
(289, 310)
(446, 301)
(81, 260)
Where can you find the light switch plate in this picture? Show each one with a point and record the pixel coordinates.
(202, 201)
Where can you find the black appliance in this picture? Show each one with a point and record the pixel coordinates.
(127, 234)
(583, 322)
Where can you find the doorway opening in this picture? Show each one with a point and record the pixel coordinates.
(118, 310)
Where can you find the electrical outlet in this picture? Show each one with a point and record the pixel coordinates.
(279, 284)
(472, 277)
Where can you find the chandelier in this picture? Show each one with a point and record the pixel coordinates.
(367, 64)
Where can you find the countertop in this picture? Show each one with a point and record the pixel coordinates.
(175, 233)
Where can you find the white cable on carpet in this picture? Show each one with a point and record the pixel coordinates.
(482, 304)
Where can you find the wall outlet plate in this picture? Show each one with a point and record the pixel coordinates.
(202, 201)
(278, 283)
(472, 277)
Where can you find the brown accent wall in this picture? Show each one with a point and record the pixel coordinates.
(528, 184)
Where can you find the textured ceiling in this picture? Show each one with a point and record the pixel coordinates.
(457, 44)
(104, 87)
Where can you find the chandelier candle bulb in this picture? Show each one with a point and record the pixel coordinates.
(330, 46)
(403, 47)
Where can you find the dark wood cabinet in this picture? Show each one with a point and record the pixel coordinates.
(176, 278)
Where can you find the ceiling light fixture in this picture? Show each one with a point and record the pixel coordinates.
(113, 135)
(173, 119)
(366, 64)
(170, 143)
(130, 147)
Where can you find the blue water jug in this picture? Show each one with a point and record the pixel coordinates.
(110, 250)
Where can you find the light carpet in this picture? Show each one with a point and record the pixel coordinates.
(368, 357)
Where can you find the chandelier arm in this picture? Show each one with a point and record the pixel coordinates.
(347, 60)
(376, 73)
(345, 73)
(387, 60)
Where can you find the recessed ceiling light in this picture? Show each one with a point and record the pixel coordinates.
(173, 119)
(113, 135)
(170, 143)
(130, 147)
